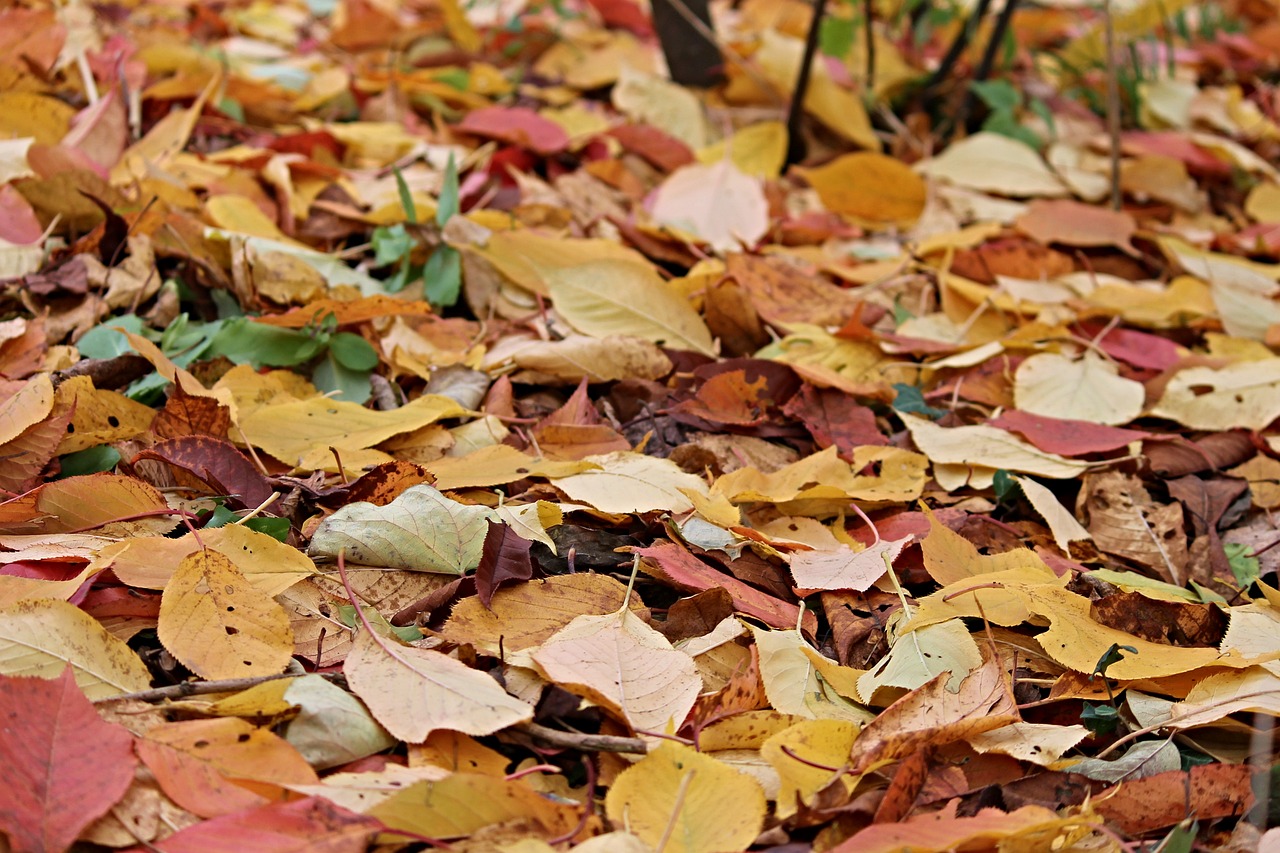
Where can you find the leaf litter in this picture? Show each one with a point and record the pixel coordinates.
(427, 424)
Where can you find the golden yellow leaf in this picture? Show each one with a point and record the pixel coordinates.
(692, 801)
(292, 429)
(871, 187)
(811, 746)
(40, 638)
(464, 803)
(759, 149)
(29, 406)
(528, 614)
(99, 416)
(218, 624)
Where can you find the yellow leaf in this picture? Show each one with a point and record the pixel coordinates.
(412, 692)
(870, 187)
(218, 625)
(649, 99)
(615, 297)
(1246, 394)
(1062, 524)
(1086, 389)
(758, 150)
(691, 801)
(810, 747)
(988, 447)
(40, 638)
(950, 558)
(29, 406)
(290, 430)
(27, 114)
(464, 35)
(149, 561)
(526, 615)
(465, 803)
(1038, 743)
(632, 482)
(618, 661)
(989, 162)
(99, 416)
(920, 656)
(838, 108)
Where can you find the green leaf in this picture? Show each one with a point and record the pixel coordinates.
(1111, 657)
(443, 276)
(91, 460)
(404, 274)
(1182, 839)
(221, 517)
(1006, 124)
(353, 352)
(276, 528)
(1099, 719)
(1004, 485)
(390, 244)
(1246, 567)
(998, 95)
(449, 204)
(102, 341)
(246, 342)
(353, 385)
(910, 401)
(406, 197)
(836, 36)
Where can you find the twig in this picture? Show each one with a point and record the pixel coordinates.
(1113, 104)
(795, 110)
(1003, 19)
(958, 44)
(868, 17)
(580, 740)
(197, 688)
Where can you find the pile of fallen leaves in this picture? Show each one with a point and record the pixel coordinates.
(426, 424)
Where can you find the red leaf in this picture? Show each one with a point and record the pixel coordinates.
(313, 825)
(672, 563)
(835, 418)
(1066, 438)
(623, 14)
(518, 126)
(505, 558)
(658, 148)
(64, 766)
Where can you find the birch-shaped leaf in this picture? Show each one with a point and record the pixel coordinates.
(40, 638)
(682, 801)
(219, 624)
(1087, 389)
(412, 692)
(919, 656)
(620, 662)
(843, 567)
(422, 530)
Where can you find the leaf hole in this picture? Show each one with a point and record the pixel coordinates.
(1201, 390)
(113, 420)
(231, 632)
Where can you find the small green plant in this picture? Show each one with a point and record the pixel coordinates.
(1099, 718)
(393, 245)
(1004, 103)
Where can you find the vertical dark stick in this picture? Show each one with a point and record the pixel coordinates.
(868, 17)
(795, 112)
(1113, 106)
(958, 44)
(983, 70)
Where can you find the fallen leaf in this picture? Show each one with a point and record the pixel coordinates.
(687, 800)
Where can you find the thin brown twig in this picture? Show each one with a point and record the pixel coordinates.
(198, 688)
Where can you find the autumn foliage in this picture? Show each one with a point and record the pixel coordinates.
(425, 424)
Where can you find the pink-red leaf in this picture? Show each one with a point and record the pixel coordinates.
(313, 825)
(64, 765)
